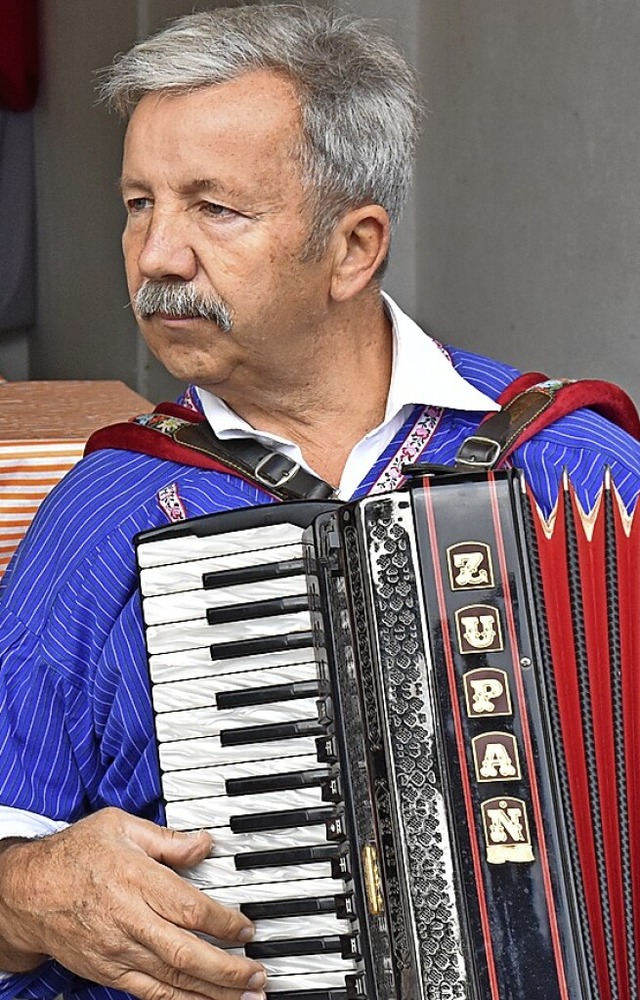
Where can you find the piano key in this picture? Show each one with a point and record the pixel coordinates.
(198, 632)
(203, 691)
(291, 909)
(225, 842)
(272, 892)
(259, 609)
(215, 873)
(319, 924)
(257, 821)
(277, 692)
(198, 814)
(282, 730)
(196, 753)
(308, 965)
(191, 663)
(181, 724)
(281, 856)
(263, 644)
(201, 782)
(184, 548)
(310, 995)
(189, 604)
(279, 567)
(191, 575)
(309, 981)
(284, 781)
(344, 945)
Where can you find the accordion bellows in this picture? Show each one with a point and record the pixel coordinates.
(410, 723)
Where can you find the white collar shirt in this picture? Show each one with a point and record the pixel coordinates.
(421, 374)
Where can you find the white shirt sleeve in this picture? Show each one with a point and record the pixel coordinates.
(21, 823)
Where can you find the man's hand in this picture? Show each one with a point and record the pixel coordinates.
(99, 898)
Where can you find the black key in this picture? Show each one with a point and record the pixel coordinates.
(310, 995)
(331, 945)
(257, 609)
(336, 829)
(272, 731)
(332, 789)
(327, 750)
(252, 574)
(267, 695)
(355, 987)
(261, 822)
(274, 782)
(264, 644)
(287, 856)
(346, 907)
(289, 907)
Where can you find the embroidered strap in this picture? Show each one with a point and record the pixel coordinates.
(532, 402)
(180, 434)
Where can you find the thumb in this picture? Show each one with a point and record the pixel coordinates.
(169, 847)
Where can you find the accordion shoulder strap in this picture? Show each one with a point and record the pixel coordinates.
(179, 434)
(530, 403)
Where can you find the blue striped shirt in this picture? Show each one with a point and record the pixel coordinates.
(76, 730)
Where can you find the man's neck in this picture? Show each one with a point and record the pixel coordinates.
(329, 405)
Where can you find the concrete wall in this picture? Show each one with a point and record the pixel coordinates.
(529, 194)
(522, 238)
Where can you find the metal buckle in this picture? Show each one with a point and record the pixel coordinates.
(286, 476)
(479, 463)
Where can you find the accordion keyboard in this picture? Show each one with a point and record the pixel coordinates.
(239, 724)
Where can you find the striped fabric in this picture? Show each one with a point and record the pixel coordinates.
(28, 471)
(76, 729)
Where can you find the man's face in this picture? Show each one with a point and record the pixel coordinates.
(215, 204)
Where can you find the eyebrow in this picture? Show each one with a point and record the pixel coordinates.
(195, 186)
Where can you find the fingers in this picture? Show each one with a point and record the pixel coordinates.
(180, 956)
(169, 847)
(174, 900)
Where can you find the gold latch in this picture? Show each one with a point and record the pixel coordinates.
(372, 881)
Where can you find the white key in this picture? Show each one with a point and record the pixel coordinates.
(226, 843)
(181, 665)
(221, 873)
(188, 576)
(193, 753)
(186, 547)
(201, 814)
(264, 892)
(211, 721)
(315, 925)
(190, 604)
(207, 781)
(190, 635)
(312, 981)
(303, 965)
(202, 692)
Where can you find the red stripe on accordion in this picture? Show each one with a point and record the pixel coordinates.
(593, 633)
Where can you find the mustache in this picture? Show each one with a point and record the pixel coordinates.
(181, 300)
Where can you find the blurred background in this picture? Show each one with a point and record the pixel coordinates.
(521, 239)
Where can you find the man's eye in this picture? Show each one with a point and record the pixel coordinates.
(135, 205)
(219, 211)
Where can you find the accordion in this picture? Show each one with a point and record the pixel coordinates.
(411, 725)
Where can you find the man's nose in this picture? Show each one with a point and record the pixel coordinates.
(167, 251)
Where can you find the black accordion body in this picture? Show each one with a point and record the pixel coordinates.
(410, 723)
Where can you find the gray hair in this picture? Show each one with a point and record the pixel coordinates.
(358, 96)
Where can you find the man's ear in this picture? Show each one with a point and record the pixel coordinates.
(361, 244)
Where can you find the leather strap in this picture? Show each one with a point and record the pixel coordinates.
(269, 469)
(525, 413)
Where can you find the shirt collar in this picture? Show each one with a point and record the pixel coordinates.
(422, 374)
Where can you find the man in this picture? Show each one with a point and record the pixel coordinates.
(266, 151)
